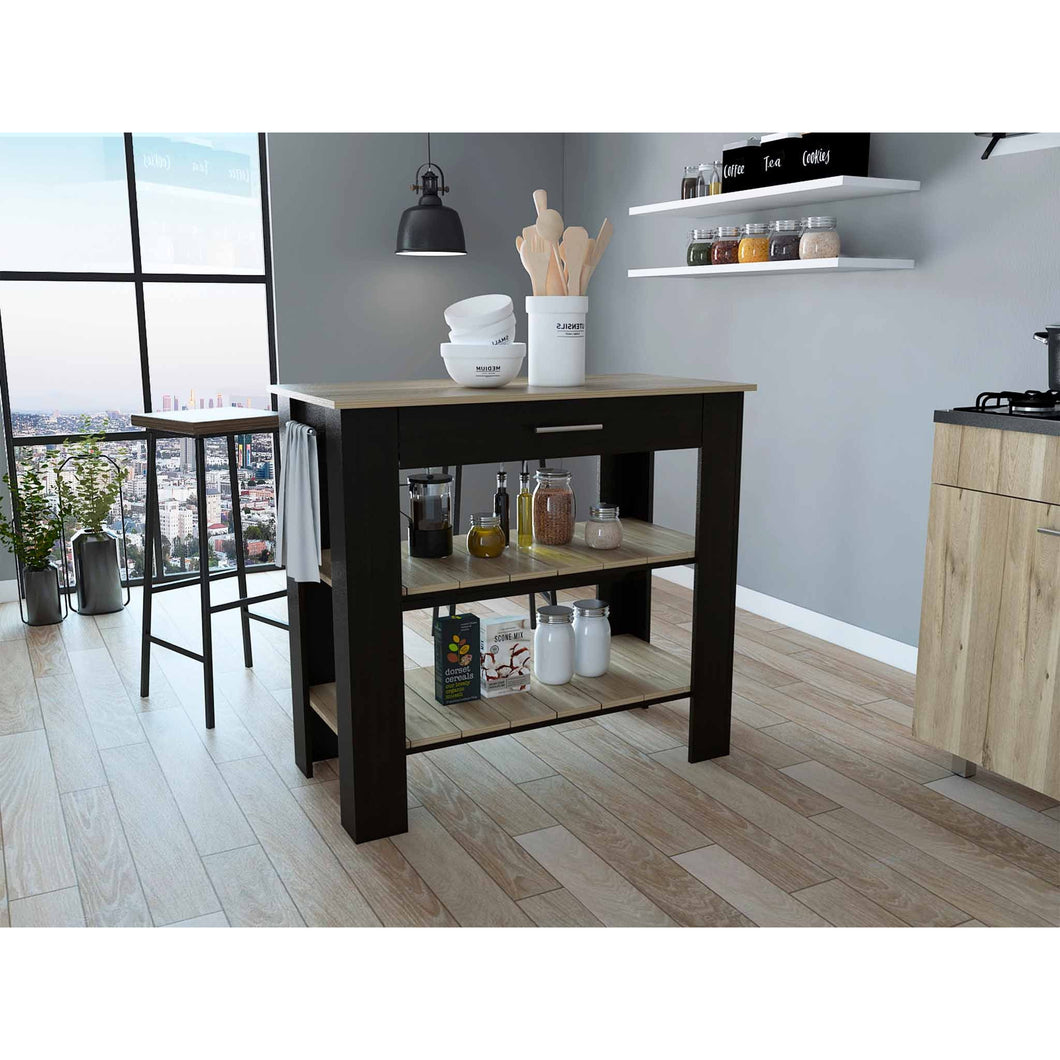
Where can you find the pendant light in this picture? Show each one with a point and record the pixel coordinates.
(430, 229)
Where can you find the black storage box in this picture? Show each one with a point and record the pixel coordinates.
(740, 166)
(781, 159)
(833, 155)
(456, 658)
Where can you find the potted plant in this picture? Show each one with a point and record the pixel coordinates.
(89, 484)
(32, 542)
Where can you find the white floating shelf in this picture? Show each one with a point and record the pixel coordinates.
(1018, 143)
(703, 272)
(801, 193)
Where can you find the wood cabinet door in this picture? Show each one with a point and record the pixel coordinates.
(1023, 720)
(987, 686)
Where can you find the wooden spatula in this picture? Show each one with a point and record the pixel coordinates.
(587, 268)
(597, 247)
(550, 227)
(540, 201)
(575, 247)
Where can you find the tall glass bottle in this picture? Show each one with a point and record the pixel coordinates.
(524, 510)
(501, 503)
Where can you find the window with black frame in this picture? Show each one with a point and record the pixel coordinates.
(135, 276)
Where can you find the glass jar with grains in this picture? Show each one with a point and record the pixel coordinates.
(699, 243)
(603, 528)
(819, 238)
(784, 241)
(485, 539)
(554, 510)
(754, 243)
(726, 247)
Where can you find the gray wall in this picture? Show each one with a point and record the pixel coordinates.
(347, 308)
(837, 443)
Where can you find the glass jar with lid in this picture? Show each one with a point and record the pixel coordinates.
(699, 244)
(784, 241)
(819, 238)
(754, 243)
(690, 182)
(554, 509)
(714, 186)
(592, 638)
(485, 539)
(554, 645)
(603, 528)
(726, 247)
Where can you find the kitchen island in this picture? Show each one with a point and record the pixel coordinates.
(349, 692)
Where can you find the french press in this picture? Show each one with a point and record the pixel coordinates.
(1051, 338)
(431, 518)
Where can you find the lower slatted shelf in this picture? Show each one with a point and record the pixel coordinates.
(639, 673)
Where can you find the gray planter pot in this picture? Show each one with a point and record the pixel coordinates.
(42, 596)
(96, 572)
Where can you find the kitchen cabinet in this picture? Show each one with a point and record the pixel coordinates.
(352, 698)
(987, 686)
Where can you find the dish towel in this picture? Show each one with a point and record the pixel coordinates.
(298, 510)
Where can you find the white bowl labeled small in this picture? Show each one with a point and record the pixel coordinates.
(499, 334)
(482, 366)
(478, 312)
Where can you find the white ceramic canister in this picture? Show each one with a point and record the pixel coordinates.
(556, 339)
(592, 638)
(554, 645)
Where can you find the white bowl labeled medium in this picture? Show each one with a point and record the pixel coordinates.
(492, 335)
(483, 366)
(556, 339)
(478, 312)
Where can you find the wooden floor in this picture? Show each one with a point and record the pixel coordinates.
(120, 811)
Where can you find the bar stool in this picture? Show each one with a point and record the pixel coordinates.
(200, 424)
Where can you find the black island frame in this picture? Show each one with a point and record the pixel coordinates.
(351, 632)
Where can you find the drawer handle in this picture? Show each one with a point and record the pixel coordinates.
(1046, 530)
(571, 427)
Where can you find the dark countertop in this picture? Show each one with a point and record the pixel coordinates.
(998, 421)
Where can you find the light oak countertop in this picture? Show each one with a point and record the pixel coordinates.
(421, 392)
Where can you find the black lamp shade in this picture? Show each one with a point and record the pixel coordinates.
(430, 229)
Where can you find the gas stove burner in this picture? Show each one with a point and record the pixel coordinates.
(1026, 401)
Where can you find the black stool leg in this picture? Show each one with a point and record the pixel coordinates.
(150, 531)
(204, 580)
(241, 564)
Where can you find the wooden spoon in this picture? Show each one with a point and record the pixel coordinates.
(550, 227)
(540, 201)
(575, 248)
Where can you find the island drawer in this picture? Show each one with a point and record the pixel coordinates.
(470, 433)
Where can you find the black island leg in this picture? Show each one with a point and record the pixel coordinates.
(204, 579)
(628, 480)
(714, 599)
(151, 531)
(241, 559)
(362, 448)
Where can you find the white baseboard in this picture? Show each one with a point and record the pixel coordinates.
(8, 591)
(863, 641)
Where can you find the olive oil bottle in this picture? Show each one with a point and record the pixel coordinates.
(524, 508)
(501, 504)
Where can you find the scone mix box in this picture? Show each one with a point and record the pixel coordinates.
(456, 656)
(506, 643)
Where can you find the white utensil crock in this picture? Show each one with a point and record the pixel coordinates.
(556, 339)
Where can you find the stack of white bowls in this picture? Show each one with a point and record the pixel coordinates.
(480, 350)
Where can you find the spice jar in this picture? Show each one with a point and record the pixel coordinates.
(754, 243)
(726, 247)
(784, 241)
(699, 243)
(553, 507)
(690, 182)
(592, 638)
(819, 238)
(485, 539)
(603, 529)
(554, 645)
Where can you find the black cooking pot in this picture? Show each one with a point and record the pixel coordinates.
(1051, 338)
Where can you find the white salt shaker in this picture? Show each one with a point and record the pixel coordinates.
(554, 645)
(592, 638)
